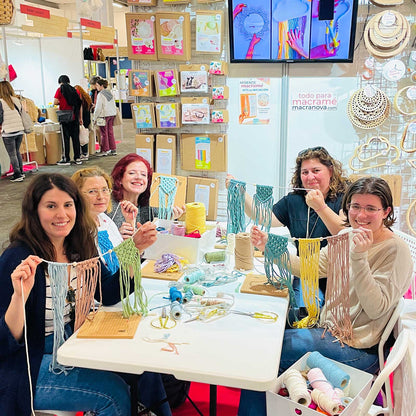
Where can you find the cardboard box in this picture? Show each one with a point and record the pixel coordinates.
(53, 144)
(220, 92)
(165, 160)
(168, 115)
(219, 116)
(194, 80)
(91, 144)
(39, 155)
(144, 147)
(166, 83)
(51, 114)
(140, 83)
(173, 36)
(218, 68)
(143, 115)
(141, 36)
(180, 196)
(195, 110)
(204, 152)
(204, 190)
(209, 31)
(192, 249)
(360, 386)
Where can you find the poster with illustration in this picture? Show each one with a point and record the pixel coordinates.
(255, 101)
(166, 83)
(141, 41)
(140, 83)
(195, 113)
(143, 115)
(167, 115)
(194, 81)
(292, 30)
(209, 31)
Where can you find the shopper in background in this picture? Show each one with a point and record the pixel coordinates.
(104, 115)
(380, 272)
(86, 104)
(11, 127)
(132, 178)
(93, 95)
(67, 98)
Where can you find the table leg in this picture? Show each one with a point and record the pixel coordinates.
(212, 400)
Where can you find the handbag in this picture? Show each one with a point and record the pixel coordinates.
(117, 120)
(65, 116)
(100, 122)
(84, 135)
(26, 120)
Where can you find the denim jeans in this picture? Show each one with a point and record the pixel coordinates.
(296, 343)
(12, 145)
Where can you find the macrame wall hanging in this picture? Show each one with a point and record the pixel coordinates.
(309, 277)
(235, 207)
(130, 266)
(276, 252)
(167, 191)
(337, 299)
(262, 207)
(106, 247)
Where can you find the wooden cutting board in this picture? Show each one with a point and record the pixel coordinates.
(256, 285)
(148, 270)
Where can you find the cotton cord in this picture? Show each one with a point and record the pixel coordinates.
(235, 207)
(324, 402)
(177, 229)
(193, 275)
(263, 206)
(214, 256)
(296, 386)
(243, 252)
(106, 247)
(334, 374)
(195, 217)
(309, 277)
(176, 310)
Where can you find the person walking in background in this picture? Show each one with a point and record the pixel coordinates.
(11, 127)
(104, 115)
(86, 105)
(93, 95)
(68, 99)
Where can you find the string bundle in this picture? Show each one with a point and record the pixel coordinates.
(262, 206)
(130, 265)
(337, 298)
(276, 252)
(309, 277)
(243, 252)
(167, 191)
(195, 217)
(106, 247)
(235, 206)
(296, 386)
(169, 263)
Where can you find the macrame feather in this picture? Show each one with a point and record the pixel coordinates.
(235, 207)
(262, 206)
(167, 192)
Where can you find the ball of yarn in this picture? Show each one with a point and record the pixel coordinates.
(195, 217)
(296, 385)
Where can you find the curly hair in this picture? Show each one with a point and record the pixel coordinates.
(371, 185)
(118, 173)
(79, 244)
(338, 182)
(81, 175)
(85, 97)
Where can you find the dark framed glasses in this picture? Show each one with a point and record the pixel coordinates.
(313, 149)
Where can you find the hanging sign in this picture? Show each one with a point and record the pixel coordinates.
(34, 11)
(90, 23)
(51, 26)
(254, 101)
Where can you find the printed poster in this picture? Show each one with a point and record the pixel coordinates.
(142, 36)
(202, 153)
(255, 101)
(208, 33)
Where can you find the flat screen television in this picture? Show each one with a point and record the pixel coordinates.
(292, 30)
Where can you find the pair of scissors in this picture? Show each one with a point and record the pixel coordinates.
(261, 316)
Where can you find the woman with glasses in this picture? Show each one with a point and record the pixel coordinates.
(380, 272)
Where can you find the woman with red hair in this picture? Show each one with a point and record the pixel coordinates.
(132, 177)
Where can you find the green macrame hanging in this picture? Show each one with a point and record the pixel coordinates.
(262, 207)
(235, 207)
(276, 252)
(167, 192)
(129, 258)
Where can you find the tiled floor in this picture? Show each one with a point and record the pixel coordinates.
(11, 194)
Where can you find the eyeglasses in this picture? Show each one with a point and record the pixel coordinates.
(369, 209)
(95, 192)
(312, 149)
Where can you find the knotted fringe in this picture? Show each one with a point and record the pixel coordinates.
(88, 274)
(276, 252)
(235, 207)
(262, 206)
(106, 247)
(130, 265)
(337, 296)
(167, 192)
(309, 277)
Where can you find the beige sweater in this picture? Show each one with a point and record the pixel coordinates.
(12, 121)
(378, 279)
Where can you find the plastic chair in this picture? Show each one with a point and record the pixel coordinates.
(394, 359)
(411, 242)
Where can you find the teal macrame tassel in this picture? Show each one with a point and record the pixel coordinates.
(235, 207)
(167, 192)
(106, 245)
(276, 252)
(58, 277)
(129, 259)
(262, 206)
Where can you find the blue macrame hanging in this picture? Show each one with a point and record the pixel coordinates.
(167, 192)
(262, 207)
(235, 207)
(106, 245)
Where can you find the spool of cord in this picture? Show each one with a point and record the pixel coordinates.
(195, 218)
(243, 252)
(215, 256)
(176, 310)
(198, 290)
(175, 295)
(178, 229)
(296, 386)
(334, 374)
(188, 296)
(231, 243)
(194, 276)
(324, 402)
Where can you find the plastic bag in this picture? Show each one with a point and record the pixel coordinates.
(84, 135)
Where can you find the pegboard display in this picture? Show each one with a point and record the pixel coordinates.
(197, 98)
(385, 60)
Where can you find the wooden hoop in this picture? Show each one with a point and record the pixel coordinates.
(404, 134)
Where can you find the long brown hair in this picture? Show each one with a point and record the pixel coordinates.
(79, 244)
(85, 97)
(6, 93)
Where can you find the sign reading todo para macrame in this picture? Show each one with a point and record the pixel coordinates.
(314, 101)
